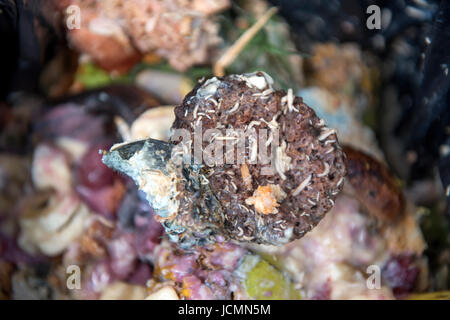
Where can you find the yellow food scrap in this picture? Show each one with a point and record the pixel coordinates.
(439, 295)
(188, 284)
(266, 198)
(265, 282)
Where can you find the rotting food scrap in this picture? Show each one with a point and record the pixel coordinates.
(245, 199)
(116, 33)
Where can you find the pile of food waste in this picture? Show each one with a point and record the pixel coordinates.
(224, 150)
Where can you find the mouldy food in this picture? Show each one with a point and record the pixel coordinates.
(245, 200)
(262, 281)
(217, 271)
(115, 34)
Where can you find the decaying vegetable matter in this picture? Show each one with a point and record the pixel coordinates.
(249, 201)
(374, 185)
(238, 190)
(115, 34)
